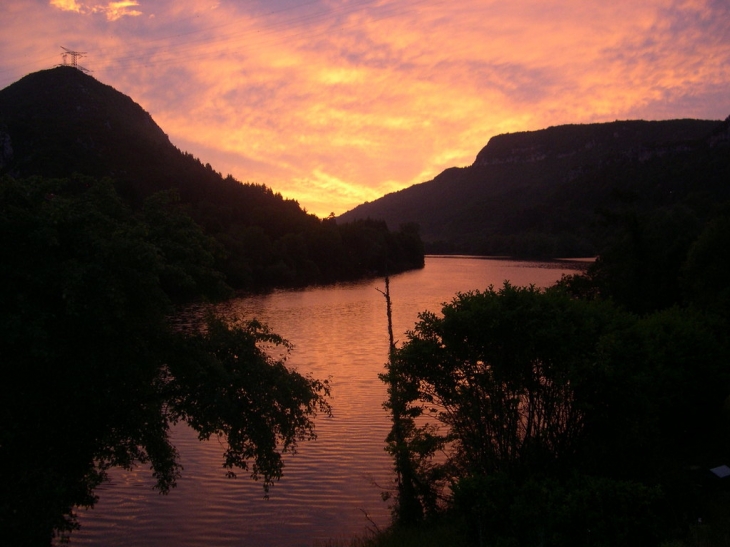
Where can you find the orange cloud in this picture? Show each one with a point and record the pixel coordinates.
(116, 10)
(112, 10)
(67, 5)
(401, 98)
(334, 102)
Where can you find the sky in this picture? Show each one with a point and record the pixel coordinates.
(338, 102)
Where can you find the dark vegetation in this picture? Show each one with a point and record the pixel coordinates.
(61, 122)
(589, 413)
(585, 414)
(541, 193)
(94, 373)
(106, 228)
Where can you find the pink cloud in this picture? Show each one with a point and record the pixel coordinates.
(112, 10)
(336, 102)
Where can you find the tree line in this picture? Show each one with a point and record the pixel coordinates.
(268, 241)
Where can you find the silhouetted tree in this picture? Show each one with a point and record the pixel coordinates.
(550, 409)
(93, 371)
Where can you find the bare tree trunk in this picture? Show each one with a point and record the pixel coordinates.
(408, 509)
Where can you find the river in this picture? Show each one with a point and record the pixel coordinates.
(331, 489)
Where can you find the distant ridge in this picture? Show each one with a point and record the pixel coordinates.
(591, 142)
(536, 193)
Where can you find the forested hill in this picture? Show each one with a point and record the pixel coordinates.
(546, 193)
(61, 122)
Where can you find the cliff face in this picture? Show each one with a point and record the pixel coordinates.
(591, 142)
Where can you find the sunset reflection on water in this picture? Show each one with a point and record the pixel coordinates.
(332, 487)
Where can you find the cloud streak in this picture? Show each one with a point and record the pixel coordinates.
(336, 102)
(112, 10)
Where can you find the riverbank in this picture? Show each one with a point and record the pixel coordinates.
(713, 530)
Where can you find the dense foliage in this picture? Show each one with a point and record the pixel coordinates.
(93, 372)
(588, 413)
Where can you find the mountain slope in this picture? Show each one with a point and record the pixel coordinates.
(535, 193)
(58, 122)
(61, 121)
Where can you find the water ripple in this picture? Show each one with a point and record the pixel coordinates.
(331, 487)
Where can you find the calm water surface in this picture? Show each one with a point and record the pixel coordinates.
(332, 487)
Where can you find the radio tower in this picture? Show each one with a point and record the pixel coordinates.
(75, 55)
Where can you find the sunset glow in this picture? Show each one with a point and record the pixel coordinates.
(337, 102)
(112, 10)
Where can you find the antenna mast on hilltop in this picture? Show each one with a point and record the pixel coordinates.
(75, 55)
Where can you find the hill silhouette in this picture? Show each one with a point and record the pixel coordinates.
(58, 122)
(537, 193)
